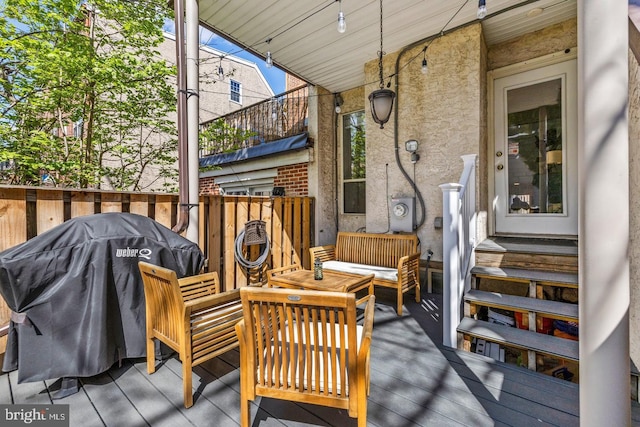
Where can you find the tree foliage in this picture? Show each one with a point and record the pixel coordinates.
(84, 94)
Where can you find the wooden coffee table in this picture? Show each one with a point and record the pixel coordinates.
(331, 281)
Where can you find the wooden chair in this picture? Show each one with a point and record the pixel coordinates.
(304, 346)
(191, 316)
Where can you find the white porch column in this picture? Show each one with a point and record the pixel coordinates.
(603, 165)
(451, 263)
(193, 112)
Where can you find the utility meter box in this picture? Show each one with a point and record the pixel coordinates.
(403, 214)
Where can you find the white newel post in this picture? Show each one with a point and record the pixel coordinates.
(451, 263)
(603, 161)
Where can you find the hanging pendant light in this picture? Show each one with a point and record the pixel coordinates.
(342, 22)
(425, 67)
(482, 9)
(268, 59)
(382, 99)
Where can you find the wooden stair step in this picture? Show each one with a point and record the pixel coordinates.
(536, 246)
(525, 275)
(554, 309)
(520, 338)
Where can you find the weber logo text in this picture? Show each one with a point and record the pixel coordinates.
(34, 415)
(133, 253)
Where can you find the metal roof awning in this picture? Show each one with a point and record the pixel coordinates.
(296, 142)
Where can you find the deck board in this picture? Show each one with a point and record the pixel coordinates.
(415, 382)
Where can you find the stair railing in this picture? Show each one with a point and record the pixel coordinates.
(458, 246)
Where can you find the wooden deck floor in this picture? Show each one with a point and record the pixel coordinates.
(414, 382)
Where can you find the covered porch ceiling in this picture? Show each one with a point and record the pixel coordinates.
(306, 43)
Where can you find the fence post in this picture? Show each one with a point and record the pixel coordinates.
(451, 263)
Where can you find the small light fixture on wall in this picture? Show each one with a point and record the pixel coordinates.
(425, 67)
(342, 22)
(412, 147)
(338, 101)
(482, 9)
(382, 99)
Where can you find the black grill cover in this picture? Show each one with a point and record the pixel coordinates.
(80, 289)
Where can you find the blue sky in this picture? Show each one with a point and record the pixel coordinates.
(274, 75)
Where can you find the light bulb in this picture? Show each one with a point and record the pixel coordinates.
(269, 60)
(425, 68)
(482, 9)
(338, 109)
(220, 72)
(342, 23)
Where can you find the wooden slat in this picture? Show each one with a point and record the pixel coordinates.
(297, 231)
(215, 223)
(306, 232)
(548, 308)
(111, 202)
(519, 338)
(139, 204)
(276, 238)
(82, 203)
(242, 216)
(13, 218)
(287, 234)
(266, 215)
(163, 209)
(229, 266)
(49, 209)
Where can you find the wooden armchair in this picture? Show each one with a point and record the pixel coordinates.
(304, 346)
(191, 316)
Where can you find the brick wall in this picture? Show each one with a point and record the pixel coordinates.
(208, 186)
(294, 179)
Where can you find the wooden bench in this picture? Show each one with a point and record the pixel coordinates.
(394, 259)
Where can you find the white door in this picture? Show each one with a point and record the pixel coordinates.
(535, 154)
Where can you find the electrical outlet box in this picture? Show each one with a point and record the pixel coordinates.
(403, 214)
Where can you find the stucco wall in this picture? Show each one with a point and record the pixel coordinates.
(443, 111)
(322, 168)
(353, 100)
(555, 38)
(634, 214)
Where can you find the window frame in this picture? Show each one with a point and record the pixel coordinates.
(232, 91)
(343, 180)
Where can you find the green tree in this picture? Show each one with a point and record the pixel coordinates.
(94, 66)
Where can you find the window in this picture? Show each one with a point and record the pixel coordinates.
(353, 163)
(78, 127)
(236, 94)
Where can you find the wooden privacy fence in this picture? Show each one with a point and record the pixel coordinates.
(26, 212)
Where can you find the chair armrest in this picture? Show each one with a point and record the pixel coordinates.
(325, 253)
(367, 328)
(409, 268)
(212, 300)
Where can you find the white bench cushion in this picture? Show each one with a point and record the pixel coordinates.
(385, 273)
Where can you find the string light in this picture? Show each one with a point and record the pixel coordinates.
(482, 9)
(425, 68)
(342, 23)
(269, 59)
